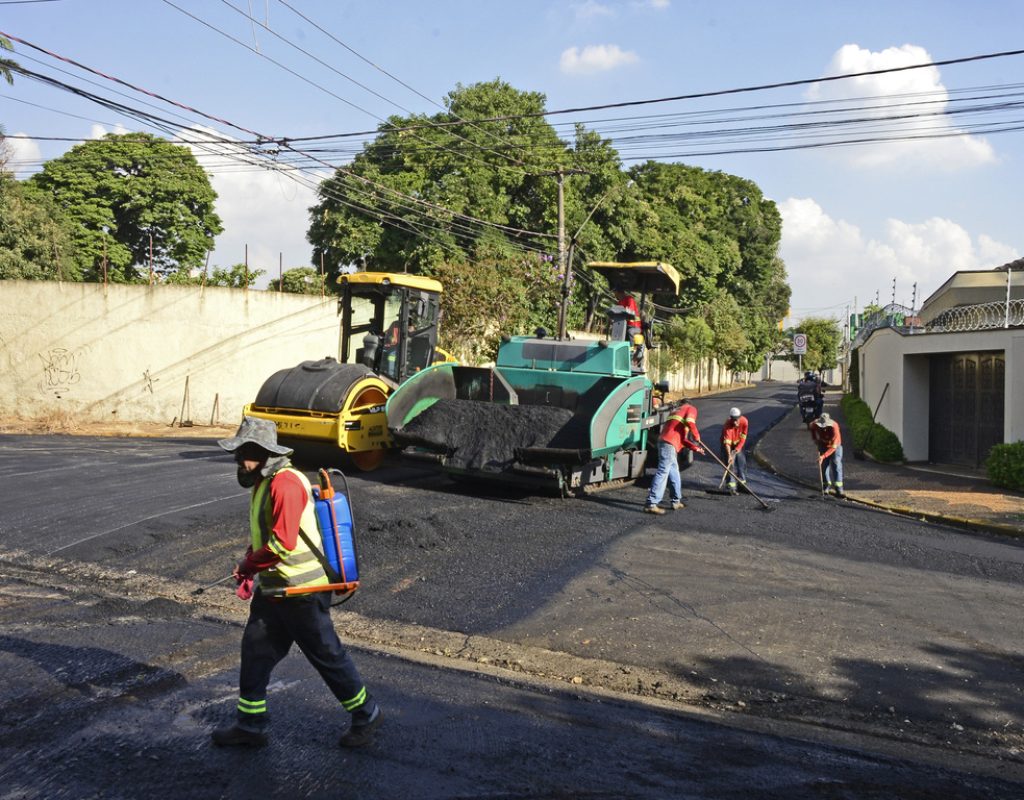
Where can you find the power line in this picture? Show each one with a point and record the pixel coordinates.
(135, 113)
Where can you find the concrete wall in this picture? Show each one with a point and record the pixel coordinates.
(901, 361)
(123, 353)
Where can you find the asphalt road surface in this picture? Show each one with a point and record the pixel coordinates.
(819, 649)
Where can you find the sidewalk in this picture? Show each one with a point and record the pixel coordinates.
(931, 492)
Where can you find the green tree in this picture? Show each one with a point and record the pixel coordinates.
(823, 338)
(457, 166)
(298, 280)
(494, 171)
(236, 277)
(406, 201)
(35, 243)
(687, 342)
(134, 196)
(484, 301)
(6, 65)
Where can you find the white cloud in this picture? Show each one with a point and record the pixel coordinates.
(589, 9)
(98, 131)
(264, 209)
(595, 58)
(957, 150)
(830, 262)
(659, 4)
(23, 155)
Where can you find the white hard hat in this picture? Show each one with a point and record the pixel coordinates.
(734, 412)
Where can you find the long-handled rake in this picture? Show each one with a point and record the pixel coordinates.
(728, 471)
(725, 474)
(821, 478)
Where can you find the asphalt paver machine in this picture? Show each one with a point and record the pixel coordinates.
(574, 415)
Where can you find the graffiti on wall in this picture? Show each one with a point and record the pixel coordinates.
(60, 371)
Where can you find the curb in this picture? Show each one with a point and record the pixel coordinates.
(965, 523)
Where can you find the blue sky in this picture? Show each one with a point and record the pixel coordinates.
(855, 218)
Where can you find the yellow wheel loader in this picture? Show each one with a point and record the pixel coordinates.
(389, 327)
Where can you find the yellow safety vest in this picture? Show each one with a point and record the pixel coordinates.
(298, 567)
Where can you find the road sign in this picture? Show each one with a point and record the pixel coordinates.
(799, 343)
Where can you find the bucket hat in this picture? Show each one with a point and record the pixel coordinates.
(258, 431)
(823, 421)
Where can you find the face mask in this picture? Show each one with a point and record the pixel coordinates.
(247, 479)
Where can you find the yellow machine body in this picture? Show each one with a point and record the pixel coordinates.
(389, 327)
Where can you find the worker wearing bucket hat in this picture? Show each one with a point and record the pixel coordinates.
(287, 606)
(829, 440)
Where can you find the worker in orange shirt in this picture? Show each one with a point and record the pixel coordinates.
(634, 326)
(826, 435)
(679, 431)
(734, 439)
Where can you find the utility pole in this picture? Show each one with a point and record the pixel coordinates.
(563, 309)
(563, 263)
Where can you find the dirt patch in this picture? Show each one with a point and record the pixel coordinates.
(68, 425)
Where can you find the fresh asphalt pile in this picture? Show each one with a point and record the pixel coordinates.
(484, 436)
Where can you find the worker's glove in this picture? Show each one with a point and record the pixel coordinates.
(244, 571)
(700, 451)
(244, 590)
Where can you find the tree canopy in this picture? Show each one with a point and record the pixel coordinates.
(823, 338)
(35, 240)
(6, 65)
(414, 199)
(132, 198)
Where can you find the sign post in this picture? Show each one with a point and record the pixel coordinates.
(800, 348)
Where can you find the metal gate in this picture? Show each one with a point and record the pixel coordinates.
(965, 408)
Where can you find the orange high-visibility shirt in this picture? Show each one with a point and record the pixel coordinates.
(680, 429)
(734, 433)
(827, 439)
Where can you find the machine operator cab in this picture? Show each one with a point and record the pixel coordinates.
(389, 322)
(639, 279)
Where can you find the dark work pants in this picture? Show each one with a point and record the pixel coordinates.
(739, 465)
(272, 628)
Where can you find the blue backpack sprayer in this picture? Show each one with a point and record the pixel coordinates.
(336, 526)
(337, 546)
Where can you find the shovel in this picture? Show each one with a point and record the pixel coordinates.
(728, 470)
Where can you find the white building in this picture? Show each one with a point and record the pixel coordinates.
(950, 382)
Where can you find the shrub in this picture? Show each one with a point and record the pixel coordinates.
(1005, 465)
(883, 444)
(868, 435)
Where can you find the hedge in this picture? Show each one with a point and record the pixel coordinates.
(868, 435)
(1005, 465)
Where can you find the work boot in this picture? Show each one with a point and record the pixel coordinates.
(233, 736)
(732, 491)
(840, 494)
(654, 509)
(360, 733)
(678, 504)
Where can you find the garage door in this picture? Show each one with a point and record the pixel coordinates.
(965, 407)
